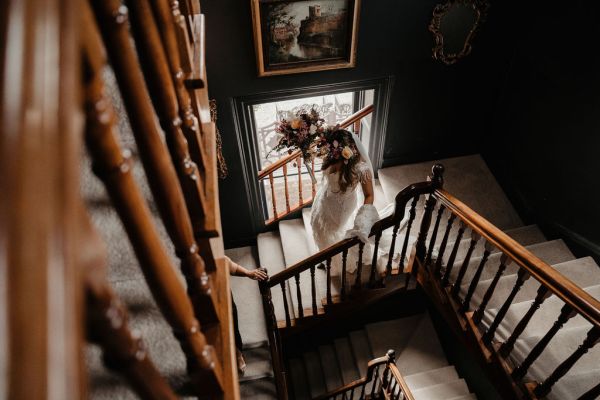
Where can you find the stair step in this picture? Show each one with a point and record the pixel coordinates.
(468, 178)
(394, 334)
(443, 391)
(582, 272)
(423, 352)
(270, 255)
(432, 377)
(361, 350)
(314, 373)
(331, 368)
(469, 396)
(246, 294)
(299, 379)
(346, 361)
(524, 235)
(294, 241)
(258, 389)
(541, 321)
(572, 386)
(258, 364)
(552, 252)
(312, 246)
(559, 349)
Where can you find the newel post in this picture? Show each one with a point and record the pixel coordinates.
(437, 182)
(275, 346)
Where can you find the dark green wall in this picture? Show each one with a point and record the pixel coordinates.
(544, 142)
(436, 110)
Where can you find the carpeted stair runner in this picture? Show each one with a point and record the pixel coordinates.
(419, 356)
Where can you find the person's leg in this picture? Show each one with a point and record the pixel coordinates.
(241, 363)
(236, 329)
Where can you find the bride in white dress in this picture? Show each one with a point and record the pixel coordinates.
(343, 206)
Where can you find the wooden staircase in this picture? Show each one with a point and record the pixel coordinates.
(488, 284)
(163, 322)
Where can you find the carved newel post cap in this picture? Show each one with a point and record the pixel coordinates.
(391, 355)
(437, 174)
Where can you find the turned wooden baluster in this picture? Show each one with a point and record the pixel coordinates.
(591, 394)
(542, 294)
(114, 168)
(153, 62)
(437, 181)
(299, 296)
(286, 189)
(374, 382)
(566, 313)
(313, 290)
(475, 281)
(434, 234)
(288, 321)
(412, 214)
(112, 18)
(374, 260)
(522, 276)
(123, 350)
(388, 267)
(178, 57)
(440, 257)
(328, 269)
(344, 261)
(300, 200)
(478, 315)
(592, 338)
(273, 197)
(452, 258)
(275, 345)
(463, 268)
(358, 281)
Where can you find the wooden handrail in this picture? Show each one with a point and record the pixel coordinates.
(398, 376)
(402, 200)
(357, 116)
(389, 361)
(357, 383)
(561, 286)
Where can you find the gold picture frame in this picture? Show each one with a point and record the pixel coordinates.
(295, 36)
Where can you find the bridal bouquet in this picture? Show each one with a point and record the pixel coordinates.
(300, 134)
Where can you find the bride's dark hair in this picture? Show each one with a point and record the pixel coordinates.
(349, 176)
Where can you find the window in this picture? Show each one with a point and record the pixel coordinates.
(256, 117)
(333, 108)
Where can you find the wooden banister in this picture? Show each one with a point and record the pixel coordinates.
(322, 256)
(573, 295)
(357, 116)
(388, 362)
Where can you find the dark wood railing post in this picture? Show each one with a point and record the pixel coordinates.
(592, 338)
(542, 294)
(437, 180)
(566, 313)
(274, 340)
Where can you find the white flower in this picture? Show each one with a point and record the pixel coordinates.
(347, 153)
(335, 144)
(313, 129)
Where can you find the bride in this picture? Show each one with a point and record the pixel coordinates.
(340, 209)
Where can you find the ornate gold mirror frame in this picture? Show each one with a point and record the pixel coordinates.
(480, 9)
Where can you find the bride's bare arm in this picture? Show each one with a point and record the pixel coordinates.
(367, 188)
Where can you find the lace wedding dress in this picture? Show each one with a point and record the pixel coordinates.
(334, 218)
(334, 212)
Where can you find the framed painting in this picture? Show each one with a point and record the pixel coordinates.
(293, 36)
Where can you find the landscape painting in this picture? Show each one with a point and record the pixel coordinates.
(301, 36)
